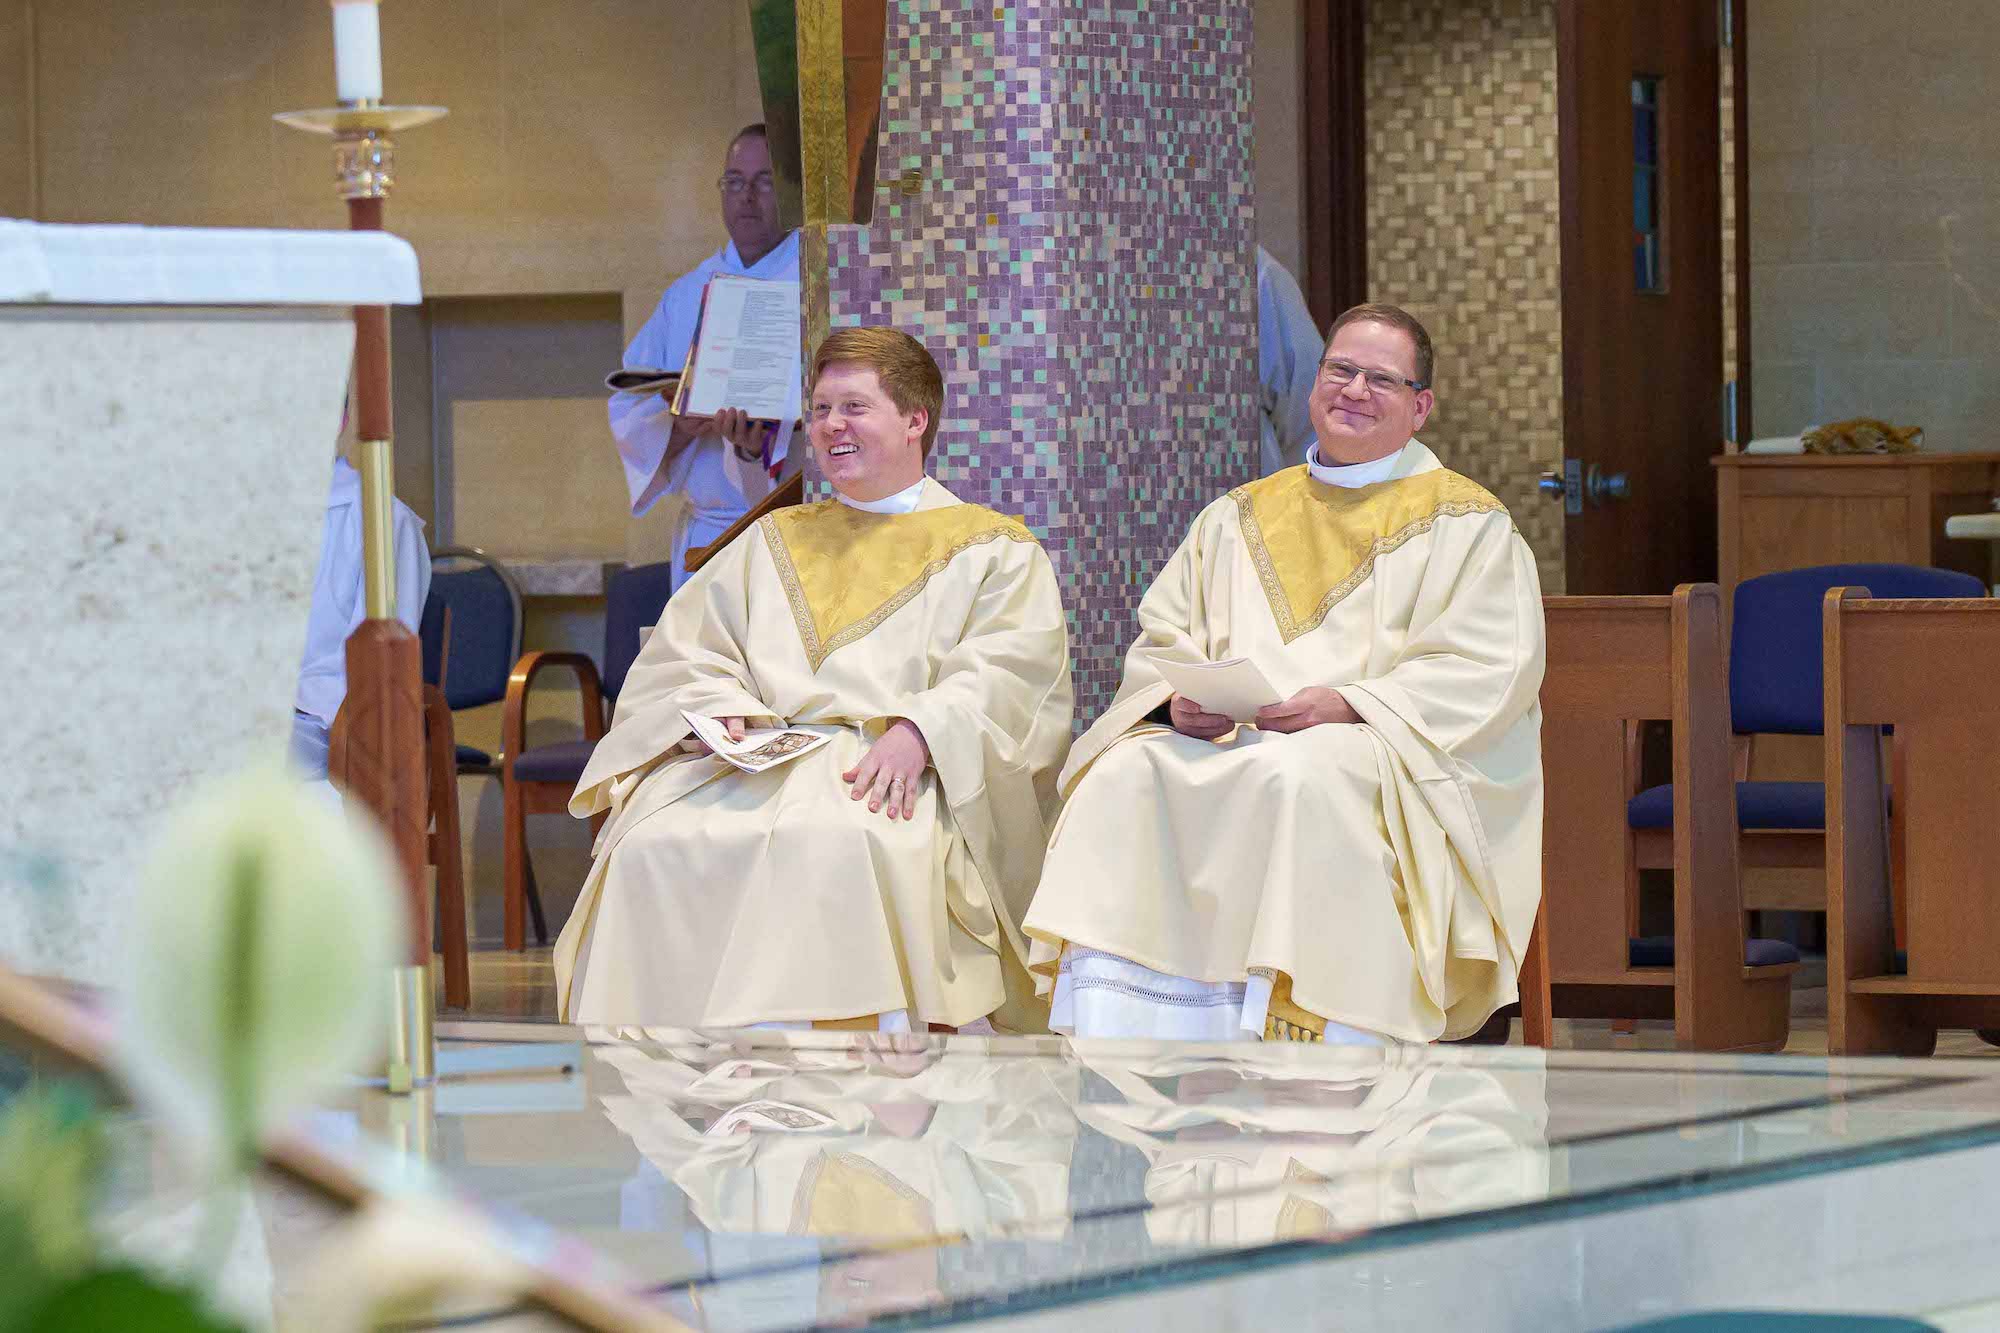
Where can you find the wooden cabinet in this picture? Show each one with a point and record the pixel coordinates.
(1788, 511)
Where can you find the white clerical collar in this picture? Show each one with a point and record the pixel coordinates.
(902, 502)
(1351, 475)
(785, 254)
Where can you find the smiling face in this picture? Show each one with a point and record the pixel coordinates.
(865, 445)
(1356, 420)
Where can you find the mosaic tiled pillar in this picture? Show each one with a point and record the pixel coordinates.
(1063, 214)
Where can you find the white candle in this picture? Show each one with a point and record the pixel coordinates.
(357, 51)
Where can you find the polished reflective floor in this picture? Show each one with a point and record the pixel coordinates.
(771, 1181)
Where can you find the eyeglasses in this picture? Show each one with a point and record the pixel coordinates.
(734, 185)
(1379, 381)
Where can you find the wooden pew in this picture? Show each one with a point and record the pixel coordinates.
(1928, 668)
(1613, 664)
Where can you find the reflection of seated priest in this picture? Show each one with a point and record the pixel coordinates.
(701, 460)
(1255, 1149)
(882, 1154)
(1366, 860)
(878, 880)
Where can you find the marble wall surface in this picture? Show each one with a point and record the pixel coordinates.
(166, 484)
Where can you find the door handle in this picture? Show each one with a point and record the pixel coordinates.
(1601, 486)
(1566, 486)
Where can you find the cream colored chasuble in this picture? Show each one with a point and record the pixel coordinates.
(1385, 873)
(720, 898)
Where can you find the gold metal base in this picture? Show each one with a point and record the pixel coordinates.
(412, 1039)
(364, 150)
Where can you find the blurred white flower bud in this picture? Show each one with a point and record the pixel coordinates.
(260, 953)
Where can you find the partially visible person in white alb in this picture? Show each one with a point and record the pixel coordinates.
(713, 466)
(1288, 352)
(339, 605)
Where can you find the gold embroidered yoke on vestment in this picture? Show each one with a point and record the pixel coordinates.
(1313, 543)
(846, 571)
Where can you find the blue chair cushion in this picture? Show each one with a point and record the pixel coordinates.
(561, 762)
(1658, 951)
(471, 758)
(1759, 805)
(1775, 674)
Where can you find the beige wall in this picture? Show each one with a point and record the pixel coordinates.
(1463, 230)
(16, 109)
(577, 162)
(578, 156)
(1279, 139)
(1875, 216)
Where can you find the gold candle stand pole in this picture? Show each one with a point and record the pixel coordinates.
(383, 755)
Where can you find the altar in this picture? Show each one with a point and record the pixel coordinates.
(174, 400)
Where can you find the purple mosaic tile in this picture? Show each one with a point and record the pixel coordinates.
(1080, 261)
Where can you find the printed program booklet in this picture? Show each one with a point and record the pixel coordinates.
(760, 749)
(1236, 689)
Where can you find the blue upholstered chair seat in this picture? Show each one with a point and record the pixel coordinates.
(469, 758)
(1658, 951)
(1759, 805)
(561, 762)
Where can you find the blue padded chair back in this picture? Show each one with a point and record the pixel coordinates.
(485, 626)
(1775, 675)
(633, 602)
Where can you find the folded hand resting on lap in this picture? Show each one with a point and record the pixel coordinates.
(1310, 707)
(1190, 720)
(887, 775)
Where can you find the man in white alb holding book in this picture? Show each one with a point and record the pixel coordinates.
(877, 880)
(713, 466)
(1364, 861)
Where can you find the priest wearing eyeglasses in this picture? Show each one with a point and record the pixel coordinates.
(1362, 861)
(709, 466)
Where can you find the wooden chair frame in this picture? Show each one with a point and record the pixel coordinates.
(1927, 667)
(445, 847)
(1613, 663)
(789, 492)
(521, 798)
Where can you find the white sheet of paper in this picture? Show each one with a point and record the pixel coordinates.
(760, 749)
(747, 354)
(1236, 688)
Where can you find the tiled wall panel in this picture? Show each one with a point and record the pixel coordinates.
(1077, 253)
(1463, 230)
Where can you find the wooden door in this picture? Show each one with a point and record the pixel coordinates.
(1639, 137)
